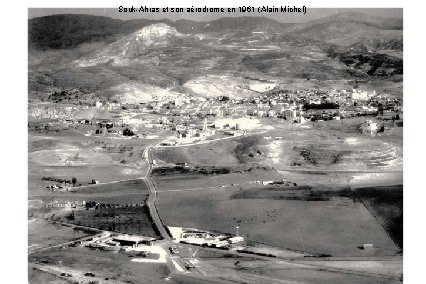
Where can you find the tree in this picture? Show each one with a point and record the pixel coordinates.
(128, 132)
(74, 181)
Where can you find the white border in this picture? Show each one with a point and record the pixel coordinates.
(14, 118)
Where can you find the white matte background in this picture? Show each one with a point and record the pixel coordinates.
(14, 140)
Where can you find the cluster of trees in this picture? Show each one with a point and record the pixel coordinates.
(128, 132)
(96, 205)
(73, 181)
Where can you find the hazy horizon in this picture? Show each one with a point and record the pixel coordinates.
(311, 14)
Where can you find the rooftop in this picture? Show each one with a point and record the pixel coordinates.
(133, 238)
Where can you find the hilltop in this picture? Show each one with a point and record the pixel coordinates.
(99, 53)
(129, 49)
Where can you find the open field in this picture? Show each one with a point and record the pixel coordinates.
(386, 204)
(195, 180)
(226, 267)
(123, 219)
(85, 158)
(336, 146)
(117, 267)
(43, 234)
(214, 153)
(337, 226)
(286, 272)
(37, 276)
(131, 191)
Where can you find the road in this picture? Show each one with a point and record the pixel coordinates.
(177, 261)
(153, 194)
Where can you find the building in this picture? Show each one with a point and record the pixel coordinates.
(65, 204)
(235, 240)
(368, 246)
(372, 127)
(359, 95)
(168, 143)
(219, 113)
(133, 241)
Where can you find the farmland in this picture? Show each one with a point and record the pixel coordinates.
(123, 219)
(85, 158)
(115, 266)
(325, 148)
(43, 234)
(326, 227)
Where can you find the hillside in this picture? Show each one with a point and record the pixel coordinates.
(348, 28)
(68, 31)
(129, 50)
(200, 58)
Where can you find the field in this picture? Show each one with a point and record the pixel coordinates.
(213, 154)
(37, 276)
(226, 267)
(85, 158)
(131, 191)
(286, 272)
(318, 213)
(43, 234)
(336, 146)
(337, 226)
(121, 219)
(199, 181)
(117, 267)
(386, 204)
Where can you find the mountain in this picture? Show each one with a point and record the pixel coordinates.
(345, 29)
(130, 49)
(379, 44)
(68, 31)
(65, 31)
(349, 28)
(356, 17)
(245, 24)
(147, 56)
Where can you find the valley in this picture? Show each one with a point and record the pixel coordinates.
(238, 150)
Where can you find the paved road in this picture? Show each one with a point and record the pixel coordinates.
(153, 194)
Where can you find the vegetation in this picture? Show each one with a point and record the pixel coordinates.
(128, 132)
(386, 204)
(68, 31)
(128, 218)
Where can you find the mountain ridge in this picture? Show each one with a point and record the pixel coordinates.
(64, 31)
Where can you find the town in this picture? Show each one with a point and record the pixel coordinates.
(195, 118)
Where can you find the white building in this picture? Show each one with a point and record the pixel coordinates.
(359, 95)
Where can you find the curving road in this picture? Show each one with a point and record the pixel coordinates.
(153, 194)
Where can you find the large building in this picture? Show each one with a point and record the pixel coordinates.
(133, 241)
(359, 95)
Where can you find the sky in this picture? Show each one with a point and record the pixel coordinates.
(312, 14)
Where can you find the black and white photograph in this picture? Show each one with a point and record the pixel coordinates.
(220, 145)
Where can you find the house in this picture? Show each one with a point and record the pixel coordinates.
(180, 127)
(168, 143)
(359, 95)
(65, 204)
(237, 239)
(182, 165)
(368, 246)
(372, 127)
